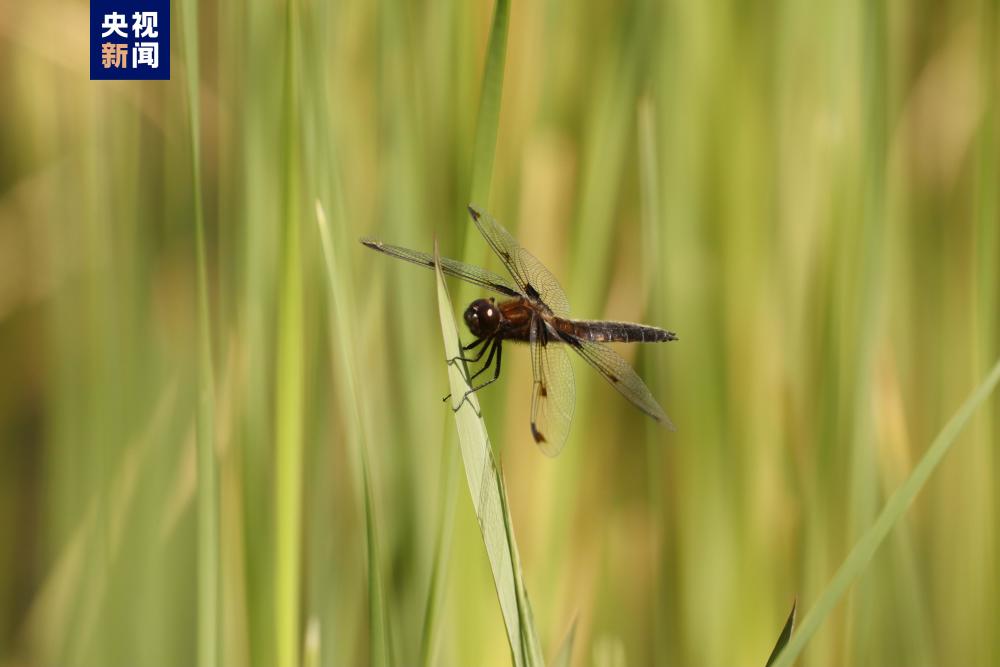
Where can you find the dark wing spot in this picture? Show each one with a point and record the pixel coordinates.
(536, 434)
(474, 213)
(505, 255)
(532, 292)
(543, 391)
(613, 378)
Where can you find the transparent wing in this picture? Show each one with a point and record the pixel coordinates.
(620, 376)
(531, 276)
(466, 272)
(553, 394)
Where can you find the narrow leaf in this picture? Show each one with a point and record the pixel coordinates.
(786, 633)
(863, 550)
(487, 126)
(565, 654)
(339, 283)
(289, 369)
(208, 510)
(488, 119)
(487, 495)
(442, 544)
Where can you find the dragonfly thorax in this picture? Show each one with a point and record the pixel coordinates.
(482, 317)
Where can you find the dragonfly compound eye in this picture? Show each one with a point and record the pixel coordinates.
(482, 317)
(471, 316)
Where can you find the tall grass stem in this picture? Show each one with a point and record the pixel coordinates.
(208, 519)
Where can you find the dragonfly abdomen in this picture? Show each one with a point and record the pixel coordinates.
(601, 331)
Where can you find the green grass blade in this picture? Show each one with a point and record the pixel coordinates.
(898, 503)
(489, 105)
(565, 655)
(786, 633)
(289, 392)
(487, 125)
(441, 544)
(653, 259)
(208, 522)
(380, 635)
(484, 150)
(530, 646)
(986, 241)
(485, 489)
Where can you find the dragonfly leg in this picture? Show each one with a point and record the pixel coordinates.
(489, 361)
(496, 376)
(471, 346)
(494, 348)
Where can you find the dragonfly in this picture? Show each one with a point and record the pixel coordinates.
(533, 309)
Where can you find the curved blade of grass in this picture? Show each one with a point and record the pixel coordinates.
(530, 646)
(898, 503)
(486, 491)
(208, 522)
(341, 289)
(786, 633)
(484, 150)
(565, 654)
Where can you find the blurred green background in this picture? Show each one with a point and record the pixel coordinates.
(807, 192)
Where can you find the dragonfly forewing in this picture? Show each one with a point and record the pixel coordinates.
(452, 267)
(532, 278)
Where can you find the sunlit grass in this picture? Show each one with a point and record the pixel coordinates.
(786, 634)
(290, 365)
(339, 283)
(488, 495)
(891, 514)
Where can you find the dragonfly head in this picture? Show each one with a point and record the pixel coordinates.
(482, 317)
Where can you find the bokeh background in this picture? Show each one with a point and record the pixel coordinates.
(807, 192)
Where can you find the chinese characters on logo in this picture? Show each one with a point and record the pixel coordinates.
(114, 55)
(127, 37)
(143, 53)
